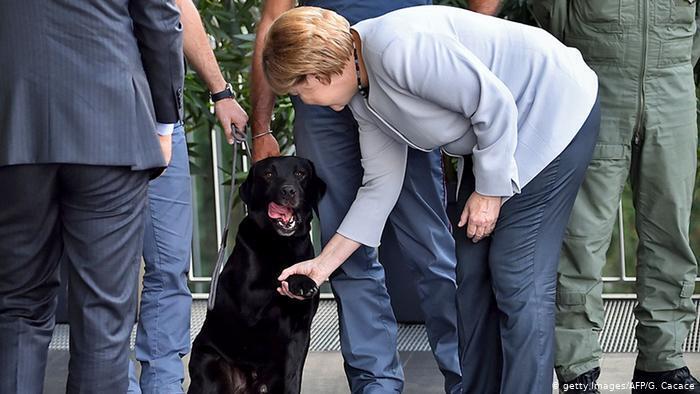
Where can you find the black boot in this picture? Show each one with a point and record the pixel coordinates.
(582, 384)
(678, 381)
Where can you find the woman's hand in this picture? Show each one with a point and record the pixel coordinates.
(480, 215)
(311, 268)
(336, 251)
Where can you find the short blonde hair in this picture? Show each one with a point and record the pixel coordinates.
(306, 41)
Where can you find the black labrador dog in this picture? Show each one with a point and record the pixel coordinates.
(255, 340)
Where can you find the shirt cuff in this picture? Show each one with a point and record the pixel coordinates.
(165, 128)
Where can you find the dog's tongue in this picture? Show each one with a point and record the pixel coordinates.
(279, 212)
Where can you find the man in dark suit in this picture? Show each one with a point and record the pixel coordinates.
(85, 90)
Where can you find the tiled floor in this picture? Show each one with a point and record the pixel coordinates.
(323, 373)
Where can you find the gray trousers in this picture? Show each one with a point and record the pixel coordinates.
(91, 217)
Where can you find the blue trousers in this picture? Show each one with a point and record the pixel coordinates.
(163, 332)
(368, 329)
(507, 282)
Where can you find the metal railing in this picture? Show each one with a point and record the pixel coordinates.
(219, 206)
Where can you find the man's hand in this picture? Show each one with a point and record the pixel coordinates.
(480, 215)
(264, 147)
(166, 146)
(229, 112)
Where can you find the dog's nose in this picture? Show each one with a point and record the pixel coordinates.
(288, 191)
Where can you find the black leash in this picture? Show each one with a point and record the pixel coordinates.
(221, 258)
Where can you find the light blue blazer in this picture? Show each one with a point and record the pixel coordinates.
(510, 95)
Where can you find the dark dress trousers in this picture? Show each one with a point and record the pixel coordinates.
(82, 85)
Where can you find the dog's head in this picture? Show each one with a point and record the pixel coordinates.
(281, 194)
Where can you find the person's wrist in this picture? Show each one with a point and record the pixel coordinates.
(328, 261)
(261, 135)
(223, 94)
(222, 102)
(218, 86)
(257, 126)
(320, 270)
(487, 196)
(165, 129)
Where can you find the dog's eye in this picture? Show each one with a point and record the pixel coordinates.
(267, 174)
(299, 174)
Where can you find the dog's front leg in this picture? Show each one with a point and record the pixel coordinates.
(294, 364)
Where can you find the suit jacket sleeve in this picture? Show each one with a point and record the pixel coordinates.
(696, 38)
(159, 34)
(384, 164)
(439, 69)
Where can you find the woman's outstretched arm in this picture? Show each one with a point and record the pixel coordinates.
(384, 164)
(333, 255)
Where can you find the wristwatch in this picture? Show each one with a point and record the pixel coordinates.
(224, 94)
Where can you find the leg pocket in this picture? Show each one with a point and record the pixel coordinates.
(579, 321)
(573, 308)
(687, 289)
(686, 307)
(685, 302)
(580, 310)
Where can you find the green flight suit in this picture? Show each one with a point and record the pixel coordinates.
(641, 51)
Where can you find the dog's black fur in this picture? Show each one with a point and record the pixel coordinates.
(256, 340)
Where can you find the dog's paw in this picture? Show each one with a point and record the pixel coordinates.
(302, 286)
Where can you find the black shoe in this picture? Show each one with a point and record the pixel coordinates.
(678, 381)
(582, 384)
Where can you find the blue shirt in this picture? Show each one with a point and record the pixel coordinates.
(357, 10)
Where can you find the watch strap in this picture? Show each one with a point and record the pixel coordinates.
(224, 94)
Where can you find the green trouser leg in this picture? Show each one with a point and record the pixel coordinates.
(579, 301)
(663, 178)
(662, 171)
(579, 288)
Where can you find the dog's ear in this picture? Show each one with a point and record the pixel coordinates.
(317, 187)
(246, 188)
